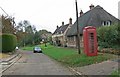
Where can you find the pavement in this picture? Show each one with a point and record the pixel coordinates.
(6, 63)
(104, 68)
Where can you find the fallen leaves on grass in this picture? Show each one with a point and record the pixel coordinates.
(2, 55)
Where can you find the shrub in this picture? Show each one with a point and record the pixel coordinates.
(109, 39)
(108, 36)
(9, 42)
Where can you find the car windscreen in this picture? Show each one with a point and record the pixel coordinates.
(37, 47)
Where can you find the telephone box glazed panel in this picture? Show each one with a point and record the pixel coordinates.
(90, 41)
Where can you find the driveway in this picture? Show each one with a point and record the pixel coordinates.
(36, 64)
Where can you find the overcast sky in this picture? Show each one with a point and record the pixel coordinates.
(47, 14)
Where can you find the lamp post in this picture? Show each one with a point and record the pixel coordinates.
(78, 32)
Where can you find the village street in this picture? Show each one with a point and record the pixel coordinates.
(86, 42)
(36, 64)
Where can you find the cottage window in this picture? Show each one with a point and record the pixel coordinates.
(103, 23)
(74, 38)
(106, 23)
(71, 39)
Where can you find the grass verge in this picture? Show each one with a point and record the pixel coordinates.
(115, 73)
(70, 57)
(3, 55)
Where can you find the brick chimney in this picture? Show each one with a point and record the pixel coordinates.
(62, 23)
(70, 21)
(57, 26)
(81, 13)
(91, 6)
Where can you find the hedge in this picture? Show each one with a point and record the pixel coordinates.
(9, 42)
(109, 37)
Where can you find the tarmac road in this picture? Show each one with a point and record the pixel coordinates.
(36, 64)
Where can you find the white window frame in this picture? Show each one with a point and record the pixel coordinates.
(106, 23)
(74, 38)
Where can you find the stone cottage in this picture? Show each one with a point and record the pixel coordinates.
(59, 37)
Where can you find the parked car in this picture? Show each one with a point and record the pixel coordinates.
(37, 49)
(16, 48)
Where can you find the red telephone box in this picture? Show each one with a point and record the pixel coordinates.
(90, 41)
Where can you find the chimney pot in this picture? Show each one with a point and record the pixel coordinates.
(70, 21)
(62, 23)
(57, 26)
(81, 13)
(91, 6)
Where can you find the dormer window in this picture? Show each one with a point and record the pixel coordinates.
(106, 23)
(103, 23)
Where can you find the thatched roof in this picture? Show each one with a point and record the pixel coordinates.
(93, 17)
(61, 29)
